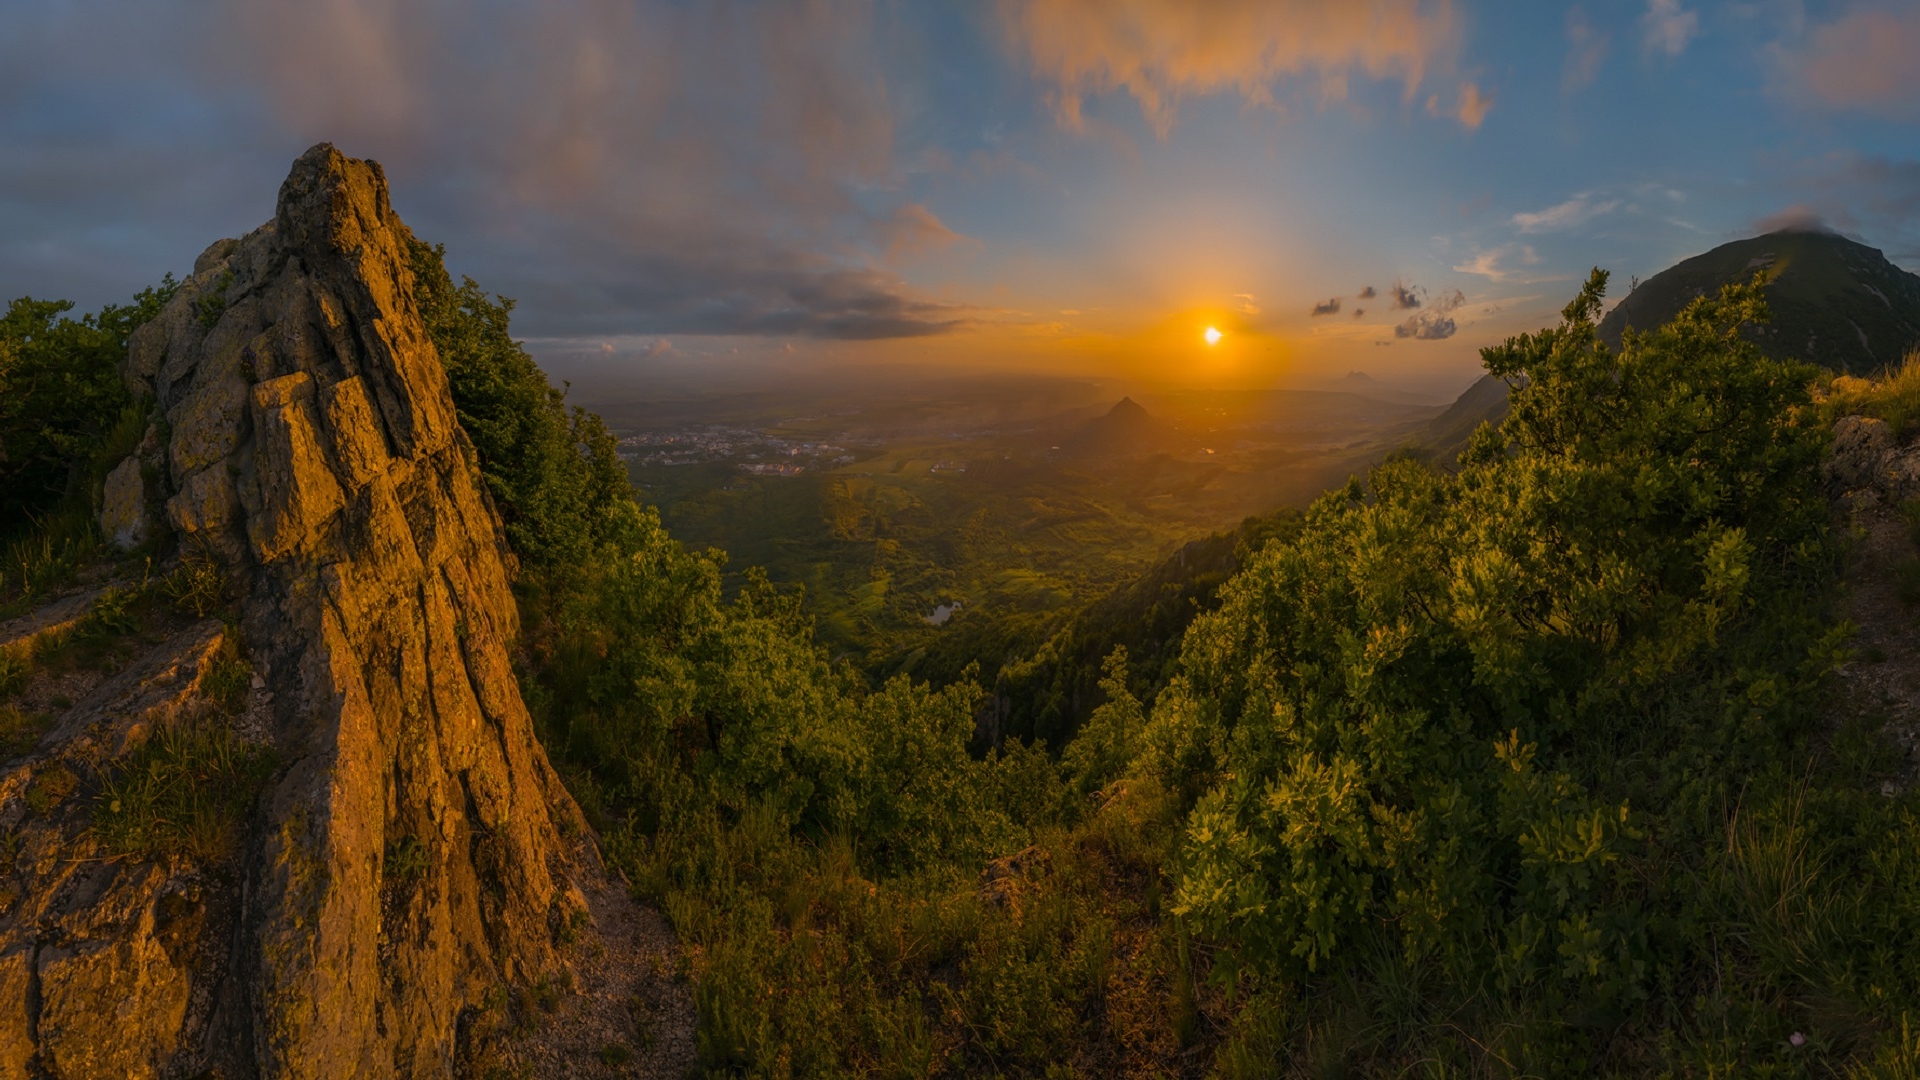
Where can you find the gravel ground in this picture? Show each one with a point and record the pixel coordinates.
(630, 1015)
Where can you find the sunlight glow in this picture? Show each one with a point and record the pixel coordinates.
(1213, 336)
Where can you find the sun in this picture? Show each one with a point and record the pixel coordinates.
(1213, 335)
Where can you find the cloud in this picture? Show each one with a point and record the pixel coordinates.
(1247, 306)
(1470, 110)
(1574, 212)
(1586, 51)
(1797, 218)
(1359, 312)
(1366, 293)
(1436, 322)
(637, 168)
(1867, 60)
(915, 230)
(1873, 199)
(1495, 264)
(1667, 27)
(1330, 307)
(1162, 51)
(1405, 296)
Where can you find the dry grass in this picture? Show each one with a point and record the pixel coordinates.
(1893, 397)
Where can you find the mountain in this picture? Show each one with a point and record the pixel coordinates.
(1835, 302)
(1126, 430)
(400, 856)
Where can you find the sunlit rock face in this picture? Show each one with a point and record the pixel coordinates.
(311, 448)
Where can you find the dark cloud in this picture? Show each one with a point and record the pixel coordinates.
(1405, 297)
(1367, 293)
(1436, 322)
(1329, 307)
(641, 168)
(1358, 312)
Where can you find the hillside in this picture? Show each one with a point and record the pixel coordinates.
(1834, 302)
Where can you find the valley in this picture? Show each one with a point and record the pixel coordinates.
(994, 499)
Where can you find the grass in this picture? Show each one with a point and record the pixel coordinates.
(52, 785)
(47, 558)
(186, 789)
(805, 963)
(198, 586)
(20, 731)
(1893, 397)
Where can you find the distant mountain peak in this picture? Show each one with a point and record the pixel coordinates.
(1126, 430)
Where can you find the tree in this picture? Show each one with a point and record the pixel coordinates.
(60, 394)
(554, 473)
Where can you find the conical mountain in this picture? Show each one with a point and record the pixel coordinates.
(1126, 430)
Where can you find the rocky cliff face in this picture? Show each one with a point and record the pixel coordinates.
(406, 860)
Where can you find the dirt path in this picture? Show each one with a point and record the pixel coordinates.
(631, 1014)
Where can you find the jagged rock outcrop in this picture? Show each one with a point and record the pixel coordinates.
(407, 859)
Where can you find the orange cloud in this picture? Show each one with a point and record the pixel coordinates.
(1471, 109)
(1868, 59)
(1160, 51)
(915, 230)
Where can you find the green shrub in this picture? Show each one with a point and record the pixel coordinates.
(406, 863)
(553, 473)
(61, 397)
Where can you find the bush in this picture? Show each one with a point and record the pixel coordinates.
(61, 395)
(1474, 737)
(554, 474)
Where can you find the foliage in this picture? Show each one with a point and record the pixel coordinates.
(1053, 673)
(61, 395)
(553, 473)
(1472, 737)
(185, 789)
(1511, 770)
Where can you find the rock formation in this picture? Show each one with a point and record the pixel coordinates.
(407, 861)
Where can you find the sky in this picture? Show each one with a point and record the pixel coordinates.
(679, 189)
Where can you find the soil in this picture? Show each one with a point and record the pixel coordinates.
(631, 1013)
